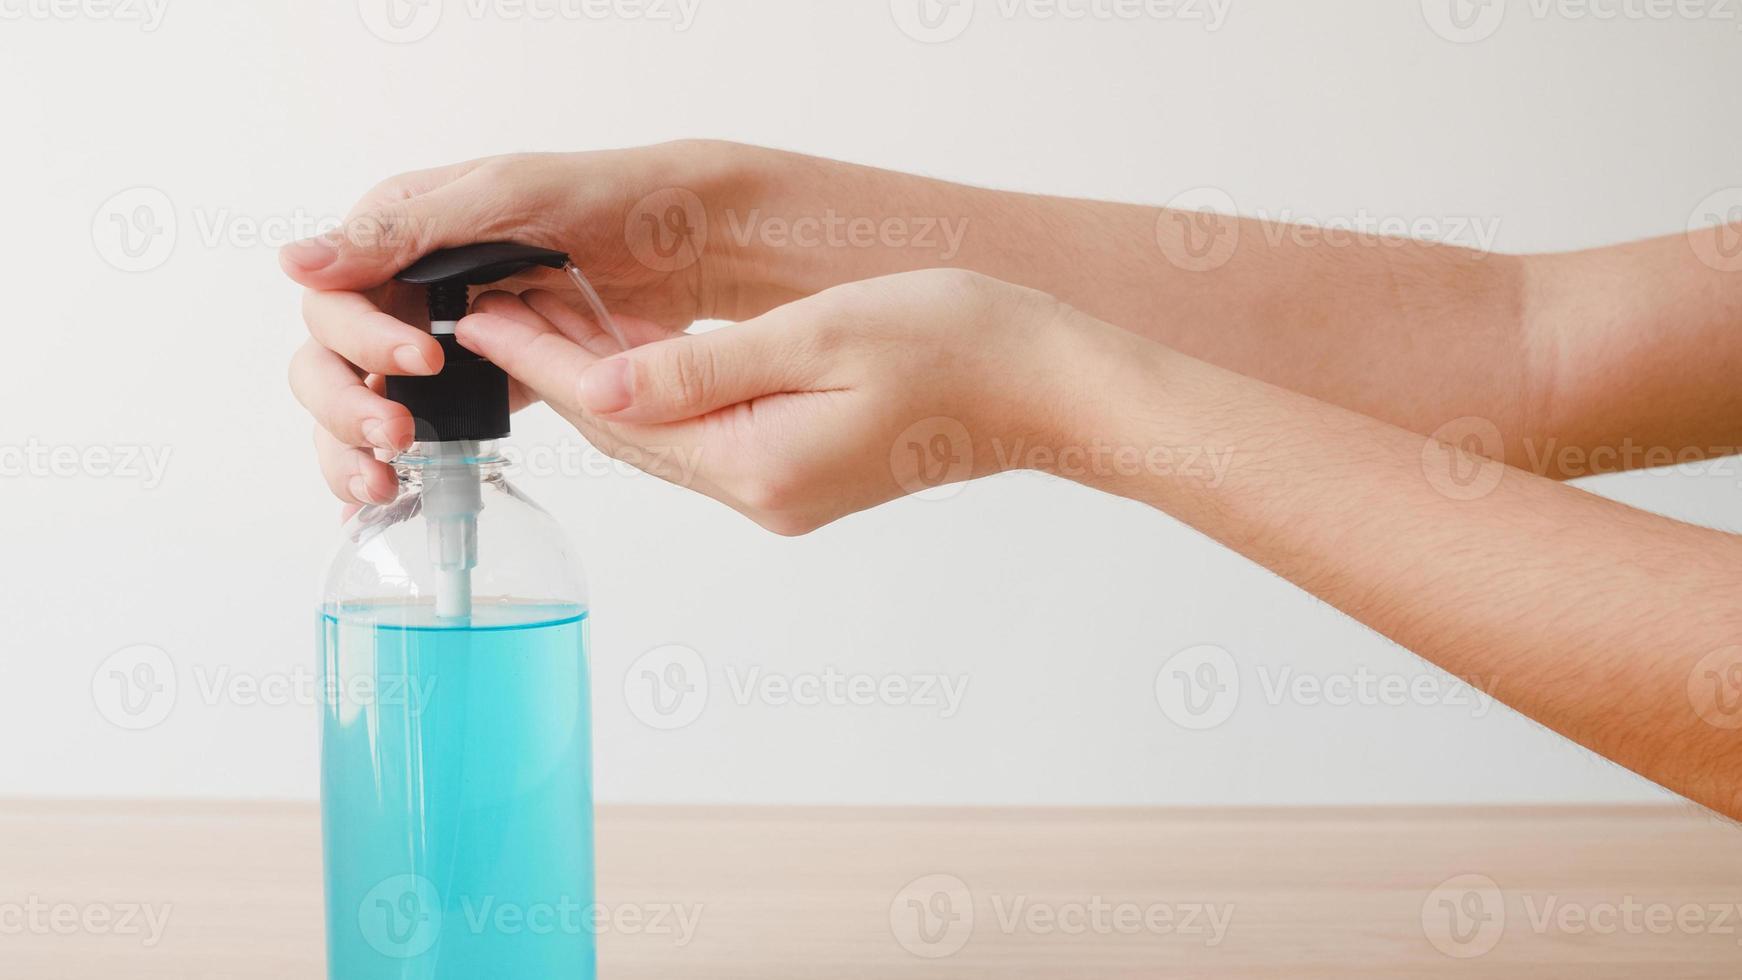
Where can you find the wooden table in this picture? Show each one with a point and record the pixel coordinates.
(848, 893)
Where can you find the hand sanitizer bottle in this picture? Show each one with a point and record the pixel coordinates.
(456, 776)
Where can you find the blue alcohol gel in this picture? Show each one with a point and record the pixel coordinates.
(456, 794)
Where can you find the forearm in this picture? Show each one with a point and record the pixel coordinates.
(1599, 621)
(1568, 365)
(1411, 333)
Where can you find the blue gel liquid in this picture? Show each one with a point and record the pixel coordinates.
(456, 794)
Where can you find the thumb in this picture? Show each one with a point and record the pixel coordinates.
(694, 374)
(378, 242)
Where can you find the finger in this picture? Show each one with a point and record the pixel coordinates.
(354, 328)
(377, 244)
(520, 396)
(583, 329)
(343, 405)
(692, 375)
(510, 334)
(579, 327)
(352, 474)
(507, 331)
(408, 185)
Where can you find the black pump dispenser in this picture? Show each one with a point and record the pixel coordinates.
(468, 400)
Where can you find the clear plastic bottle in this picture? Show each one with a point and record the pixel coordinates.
(456, 777)
(456, 772)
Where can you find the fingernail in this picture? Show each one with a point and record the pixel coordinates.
(605, 386)
(312, 253)
(359, 487)
(411, 361)
(376, 432)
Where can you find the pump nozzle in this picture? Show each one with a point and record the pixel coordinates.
(456, 409)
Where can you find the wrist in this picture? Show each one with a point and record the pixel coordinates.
(1049, 408)
(681, 200)
(1110, 410)
(781, 226)
(722, 173)
(739, 185)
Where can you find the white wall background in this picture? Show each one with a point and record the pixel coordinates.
(251, 122)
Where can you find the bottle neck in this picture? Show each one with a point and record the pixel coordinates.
(483, 455)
